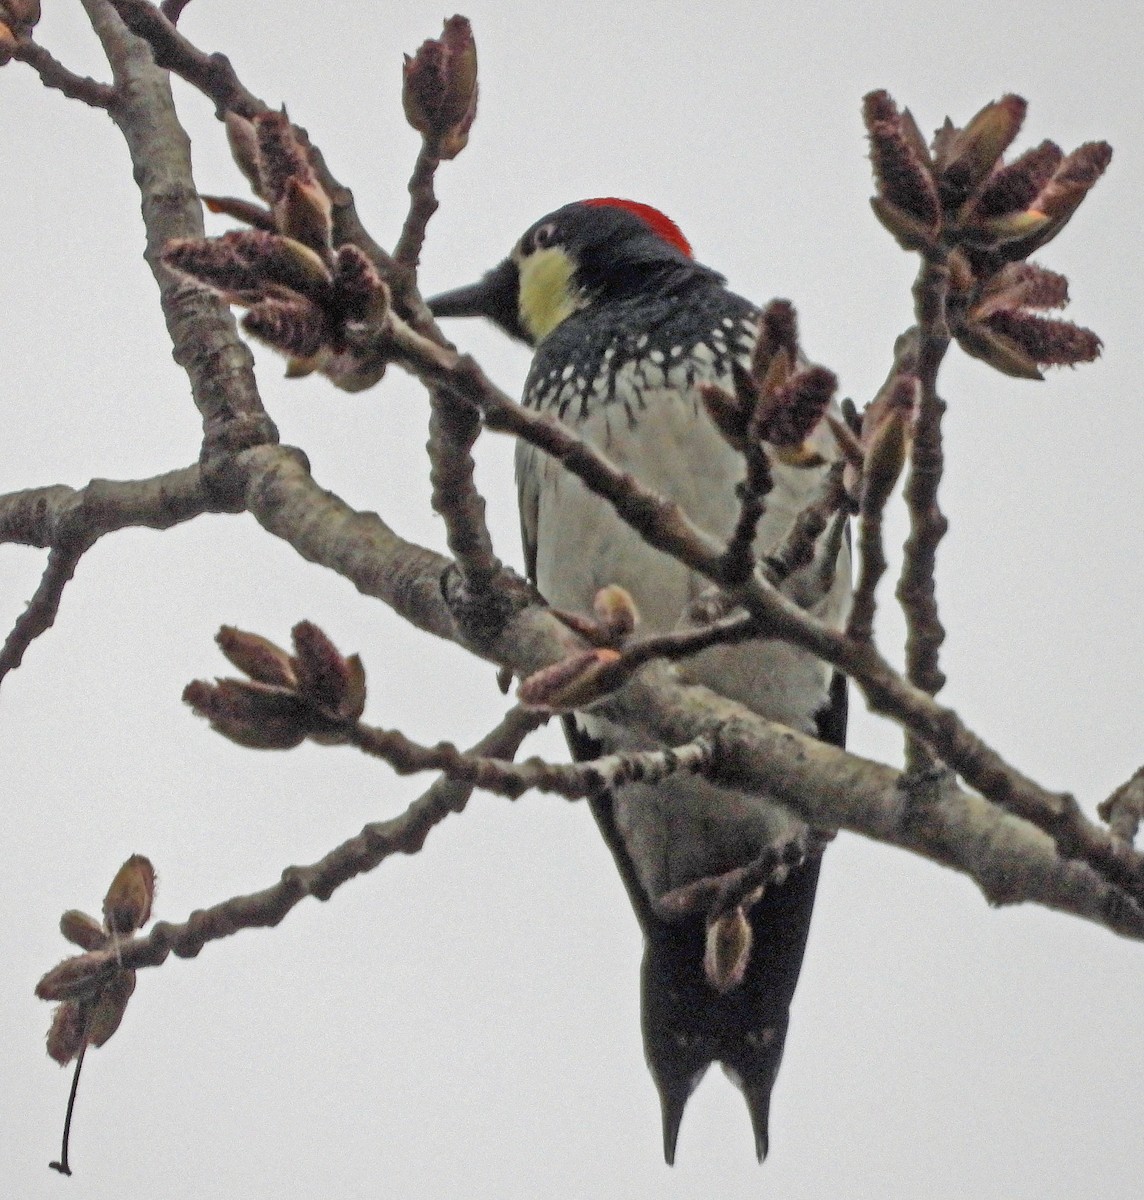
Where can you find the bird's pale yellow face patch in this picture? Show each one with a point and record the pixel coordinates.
(547, 292)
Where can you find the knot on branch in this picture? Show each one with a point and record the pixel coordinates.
(224, 438)
(481, 613)
(922, 792)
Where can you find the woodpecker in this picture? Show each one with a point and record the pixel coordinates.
(626, 326)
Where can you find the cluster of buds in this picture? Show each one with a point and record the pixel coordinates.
(304, 295)
(439, 91)
(956, 199)
(316, 692)
(93, 988)
(17, 20)
(777, 400)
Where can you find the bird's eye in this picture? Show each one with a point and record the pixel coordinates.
(543, 236)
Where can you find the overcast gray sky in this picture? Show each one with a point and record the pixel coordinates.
(466, 1022)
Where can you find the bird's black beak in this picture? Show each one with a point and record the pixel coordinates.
(495, 297)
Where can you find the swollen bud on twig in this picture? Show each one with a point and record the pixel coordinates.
(249, 213)
(798, 408)
(885, 458)
(1041, 341)
(1020, 285)
(727, 412)
(257, 656)
(616, 611)
(727, 953)
(280, 155)
(67, 1034)
(293, 326)
(1015, 186)
(301, 207)
(571, 683)
(439, 90)
(17, 18)
(82, 930)
(79, 977)
(362, 294)
(616, 616)
(305, 213)
(331, 683)
(127, 905)
(109, 1006)
(254, 715)
(968, 156)
(778, 332)
(245, 264)
(907, 200)
(243, 141)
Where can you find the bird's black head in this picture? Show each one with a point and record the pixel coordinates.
(585, 253)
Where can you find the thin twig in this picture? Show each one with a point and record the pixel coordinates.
(683, 643)
(797, 550)
(70, 521)
(422, 205)
(739, 556)
(573, 781)
(53, 74)
(916, 585)
(173, 9)
(63, 1166)
(872, 566)
(40, 614)
(718, 894)
(453, 428)
(1124, 809)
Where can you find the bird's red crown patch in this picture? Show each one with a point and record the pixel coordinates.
(659, 222)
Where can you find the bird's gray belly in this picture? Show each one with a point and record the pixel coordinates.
(684, 828)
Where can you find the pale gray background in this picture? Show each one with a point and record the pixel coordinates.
(465, 1022)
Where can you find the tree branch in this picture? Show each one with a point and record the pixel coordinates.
(203, 334)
